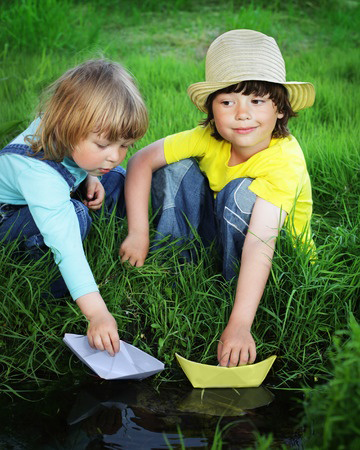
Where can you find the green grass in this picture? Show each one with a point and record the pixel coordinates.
(331, 411)
(166, 306)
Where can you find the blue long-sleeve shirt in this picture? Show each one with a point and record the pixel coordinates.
(28, 181)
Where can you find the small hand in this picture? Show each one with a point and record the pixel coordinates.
(236, 347)
(134, 249)
(95, 193)
(103, 334)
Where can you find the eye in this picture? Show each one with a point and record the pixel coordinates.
(127, 145)
(258, 101)
(227, 102)
(102, 146)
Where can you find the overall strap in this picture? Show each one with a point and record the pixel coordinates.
(25, 150)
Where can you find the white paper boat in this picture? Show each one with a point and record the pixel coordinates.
(130, 363)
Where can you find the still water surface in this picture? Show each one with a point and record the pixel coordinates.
(96, 414)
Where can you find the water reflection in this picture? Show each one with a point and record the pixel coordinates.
(226, 402)
(137, 415)
(104, 417)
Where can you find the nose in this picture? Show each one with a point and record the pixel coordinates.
(115, 154)
(242, 111)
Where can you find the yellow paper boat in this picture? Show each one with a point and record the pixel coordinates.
(206, 376)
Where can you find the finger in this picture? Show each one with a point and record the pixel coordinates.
(115, 341)
(90, 340)
(98, 343)
(100, 196)
(107, 344)
(224, 357)
(131, 260)
(125, 258)
(94, 206)
(252, 354)
(234, 357)
(244, 356)
(219, 350)
(90, 191)
(139, 262)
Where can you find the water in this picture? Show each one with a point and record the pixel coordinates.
(95, 414)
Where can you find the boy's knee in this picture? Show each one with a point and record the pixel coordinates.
(234, 205)
(244, 199)
(237, 197)
(182, 177)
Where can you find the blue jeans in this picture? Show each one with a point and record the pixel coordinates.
(183, 202)
(16, 222)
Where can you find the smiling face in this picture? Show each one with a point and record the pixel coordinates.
(97, 155)
(246, 121)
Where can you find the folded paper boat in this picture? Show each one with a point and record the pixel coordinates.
(207, 376)
(130, 363)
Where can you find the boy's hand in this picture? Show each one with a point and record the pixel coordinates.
(103, 335)
(135, 248)
(236, 347)
(102, 332)
(95, 193)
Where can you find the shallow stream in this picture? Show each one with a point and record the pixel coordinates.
(96, 414)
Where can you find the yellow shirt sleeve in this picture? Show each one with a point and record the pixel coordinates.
(187, 144)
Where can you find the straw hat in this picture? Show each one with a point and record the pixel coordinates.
(244, 55)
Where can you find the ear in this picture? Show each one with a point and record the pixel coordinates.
(280, 115)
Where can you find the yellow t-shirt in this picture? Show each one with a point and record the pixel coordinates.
(279, 172)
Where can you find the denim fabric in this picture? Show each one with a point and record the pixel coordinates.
(183, 200)
(114, 183)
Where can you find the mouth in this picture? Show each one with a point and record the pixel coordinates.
(244, 130)
(103, 171)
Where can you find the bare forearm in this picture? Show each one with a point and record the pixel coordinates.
(135, 247)
(236, 345)
(254, 273)
(91, 305)
(137, 191)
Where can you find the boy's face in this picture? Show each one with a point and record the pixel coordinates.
(246, 121)
(97, 155)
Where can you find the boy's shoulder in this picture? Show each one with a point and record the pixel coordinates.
(198, 131)
(192, 137)
(286, 146)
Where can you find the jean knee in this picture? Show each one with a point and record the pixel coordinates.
(235, 204)
(82, 213)
(169, 181)
(114, 183)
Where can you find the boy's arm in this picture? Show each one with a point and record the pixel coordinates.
(137, 190)
(236, 344)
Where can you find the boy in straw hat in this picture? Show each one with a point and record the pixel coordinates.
(237, 176)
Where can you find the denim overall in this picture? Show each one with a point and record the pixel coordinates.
(183, 201)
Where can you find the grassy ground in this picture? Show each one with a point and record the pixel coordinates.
(165, 307)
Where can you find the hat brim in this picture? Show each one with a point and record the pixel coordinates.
(301, 94)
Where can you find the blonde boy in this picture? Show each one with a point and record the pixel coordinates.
(92, 113)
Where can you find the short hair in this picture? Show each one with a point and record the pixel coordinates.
(96, 96)
(277, 93)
